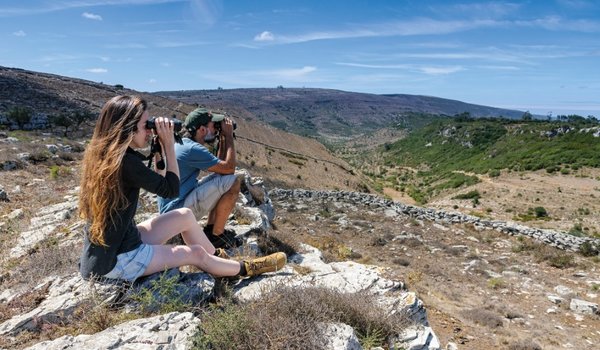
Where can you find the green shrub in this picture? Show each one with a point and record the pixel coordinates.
(552, 169)
(576, 230)
(589, 249)
(496, 283)
(469, 195)
(162, 296)
(540, 212)
(19, 115)
(54, 172)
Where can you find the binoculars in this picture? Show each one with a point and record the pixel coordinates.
(150, 124)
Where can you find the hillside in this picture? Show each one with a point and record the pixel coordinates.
(284, 158)
(332, 115)
(497, 168)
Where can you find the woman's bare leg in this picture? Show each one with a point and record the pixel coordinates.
(161, 228)
(168, 256)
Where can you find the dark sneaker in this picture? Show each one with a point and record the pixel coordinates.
(269, 263)
(222, 253)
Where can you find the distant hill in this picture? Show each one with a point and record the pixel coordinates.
(284, 159)
(332, 114)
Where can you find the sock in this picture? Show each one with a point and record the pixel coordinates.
(208, 229)
(243, 271)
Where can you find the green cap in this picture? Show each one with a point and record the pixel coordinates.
(201, 116)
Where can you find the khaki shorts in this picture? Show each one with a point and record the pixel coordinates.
(207, 193)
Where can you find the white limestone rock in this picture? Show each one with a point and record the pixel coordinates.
(170, 331)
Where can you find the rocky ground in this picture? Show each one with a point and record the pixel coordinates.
(482, 289)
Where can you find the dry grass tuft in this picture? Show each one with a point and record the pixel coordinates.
(49, 259)
(524, 345)
(290, 318)
(279, 241)
(483, 317)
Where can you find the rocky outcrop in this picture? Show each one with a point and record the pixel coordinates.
(43, 225)
(170, 331)
(553, 238)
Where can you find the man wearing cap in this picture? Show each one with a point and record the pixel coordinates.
(215, 194)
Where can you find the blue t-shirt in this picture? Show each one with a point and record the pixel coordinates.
(191, 157)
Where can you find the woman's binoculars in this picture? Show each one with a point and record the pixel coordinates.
(151, 125)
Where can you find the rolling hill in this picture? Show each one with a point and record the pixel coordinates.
(332, 115)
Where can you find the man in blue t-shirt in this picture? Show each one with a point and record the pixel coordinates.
(215, 194)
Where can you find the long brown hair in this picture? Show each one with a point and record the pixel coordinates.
(101, 193)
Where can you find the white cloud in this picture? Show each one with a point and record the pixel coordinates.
(126, 46)
(557, 23)
(294, 73)
(430, 70)
(441, 70)
(422, 26)
(29, 8)
(264, 36)
(479, 10)
(492, 67)
(97, 70)
(377, 66)
(152, 81)
(19, 33)
(173, 44)
(91, 16)
(271, 77)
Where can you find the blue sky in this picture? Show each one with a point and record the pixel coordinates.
(541, 56)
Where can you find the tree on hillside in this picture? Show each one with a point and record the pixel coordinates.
(527, 116)
(19, 115)
(80, 117)
(463, 117)
(62, 120)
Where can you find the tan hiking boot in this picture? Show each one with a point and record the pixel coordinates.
(222, 253)
(264, 264)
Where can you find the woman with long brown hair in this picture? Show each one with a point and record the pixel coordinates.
(113, 174)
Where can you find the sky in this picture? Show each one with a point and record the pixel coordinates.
(539, 56)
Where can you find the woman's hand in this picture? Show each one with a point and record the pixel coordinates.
(165, 130)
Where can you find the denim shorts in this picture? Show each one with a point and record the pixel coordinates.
(132, 264)
(207, 193)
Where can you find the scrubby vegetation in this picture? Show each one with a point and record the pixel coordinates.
(448, 152)
(294, 318)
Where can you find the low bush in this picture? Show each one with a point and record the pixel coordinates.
(293, 318)
(589, 249)
(524, 345)
(483, 317)
(469, 195)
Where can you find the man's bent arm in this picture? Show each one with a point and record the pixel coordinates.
(226, 165)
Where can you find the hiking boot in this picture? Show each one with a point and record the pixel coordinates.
(222, 253)
(269, 263)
